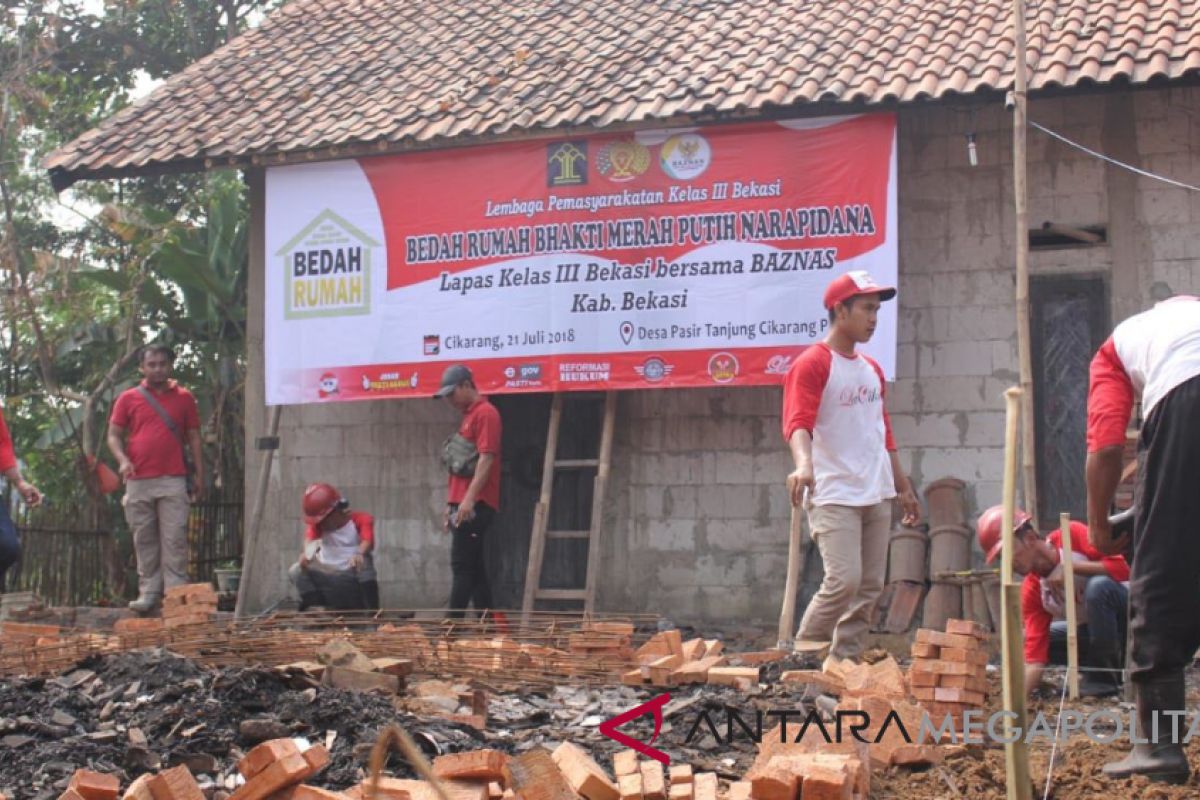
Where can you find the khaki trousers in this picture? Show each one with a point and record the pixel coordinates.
(853, 542)
(157, 512)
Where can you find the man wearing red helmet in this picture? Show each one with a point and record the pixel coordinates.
(335, 569)
(1101, 598)
(1154, 355)
(840, 436)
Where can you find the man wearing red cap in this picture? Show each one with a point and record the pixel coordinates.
(335, 569)
(1154, 355)
(1100, 592)
(840, 436)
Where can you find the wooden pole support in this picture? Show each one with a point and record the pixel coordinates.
(787, 615)
(1064, 525)
(1016, 753)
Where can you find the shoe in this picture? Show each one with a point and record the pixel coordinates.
(1105, 680)
(311, 601)
(145, 603)
(1165, 760)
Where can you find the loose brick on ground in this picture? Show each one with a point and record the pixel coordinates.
(704, 786)
(475, 765)
(140, 788)
(654, 783)
(583, 774)
(625, 762)
(730, 676)
(276, 777)
(535, 776)
(965, 627)
(177, 783)
(95, 785)
(264, 755)
(681, 773)
(630, 786)
(927, 636)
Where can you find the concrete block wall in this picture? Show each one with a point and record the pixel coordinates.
(696, 525)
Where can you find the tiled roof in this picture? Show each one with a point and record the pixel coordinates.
(391, 74)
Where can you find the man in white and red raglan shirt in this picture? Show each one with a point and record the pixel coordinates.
(336, 568)
(10, 543)
(1155, 354)
(840, 436)
(1102, 597)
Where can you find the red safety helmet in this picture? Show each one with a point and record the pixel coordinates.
(320, 500)
(988, 527)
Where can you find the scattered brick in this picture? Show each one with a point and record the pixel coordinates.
(279, 775)
(534, 776)
(625, 762)
(95, 785)
(138, 625)
(140, 788)
(740, 790)
(176, 783)
(826, 682)
(654, 784)
(477, 765)
(583, 774)
(696, 671)
(693, 649)
(680, 791)
(681, 773)
(704, 786)
(266, 754)
(826, 783)
(317, 758)
(630, 786)
(730, 676)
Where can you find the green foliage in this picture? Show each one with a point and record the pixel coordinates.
(118, 263)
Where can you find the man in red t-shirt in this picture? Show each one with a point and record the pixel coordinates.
(1102, 597)
(10, 543)
(840, 436)
(474, 494)
(150, 453)
(336, 568)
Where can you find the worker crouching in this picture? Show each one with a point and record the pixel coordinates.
(1101, 596)
(335, 569)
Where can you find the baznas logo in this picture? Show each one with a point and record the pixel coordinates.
(328, 267)
(685, 156)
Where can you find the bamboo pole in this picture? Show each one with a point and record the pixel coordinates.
(1016, 753)
(1020, 191)
(1064, 526)
(787, 615)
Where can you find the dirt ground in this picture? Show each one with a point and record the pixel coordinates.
(979, 773)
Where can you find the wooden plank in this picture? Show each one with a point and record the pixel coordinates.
(599, 491)
(537, 538)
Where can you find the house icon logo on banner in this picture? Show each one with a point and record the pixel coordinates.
(328, 269)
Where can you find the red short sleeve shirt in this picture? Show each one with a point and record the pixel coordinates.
(481, 425)
(153, 449)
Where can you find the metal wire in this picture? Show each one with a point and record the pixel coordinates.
(1054, 747)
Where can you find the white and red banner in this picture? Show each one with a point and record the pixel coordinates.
(684, 257)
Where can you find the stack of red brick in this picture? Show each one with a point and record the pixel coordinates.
(190, 604)
(949, 670)
(667, 660)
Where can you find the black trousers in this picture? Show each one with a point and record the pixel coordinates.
(470, 580)
(1164, 586)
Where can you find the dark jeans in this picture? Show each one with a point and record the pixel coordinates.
(470, 583)
(10, 545)
(1106, 602)
(1164, 584)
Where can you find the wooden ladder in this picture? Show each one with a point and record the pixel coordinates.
(541, 515)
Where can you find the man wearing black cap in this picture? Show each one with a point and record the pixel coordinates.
(840, 437)
(472, 458)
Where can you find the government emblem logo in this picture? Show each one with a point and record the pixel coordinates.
(566, 164)
(622, 160)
